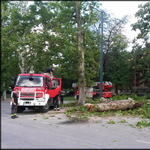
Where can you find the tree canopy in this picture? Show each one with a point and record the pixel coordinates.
(66, 35)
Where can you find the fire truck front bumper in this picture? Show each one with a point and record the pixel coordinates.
(37, 102)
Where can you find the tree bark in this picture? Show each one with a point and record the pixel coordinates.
(115, 105)
(82, 95)
(4, 95)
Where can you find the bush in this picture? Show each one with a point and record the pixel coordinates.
(147, 96)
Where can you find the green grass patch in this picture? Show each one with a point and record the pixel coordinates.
(70, 104)
(69, 98)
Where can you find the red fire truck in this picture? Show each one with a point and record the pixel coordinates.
(35, 90)
(94, 92)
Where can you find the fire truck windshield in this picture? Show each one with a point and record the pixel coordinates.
(27, 81)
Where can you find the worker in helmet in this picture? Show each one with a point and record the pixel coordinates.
(49, 70)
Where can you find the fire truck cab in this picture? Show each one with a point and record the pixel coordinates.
(35, 90)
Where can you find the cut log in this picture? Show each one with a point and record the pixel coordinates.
(115, 105)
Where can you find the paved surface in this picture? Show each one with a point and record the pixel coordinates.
(54, 130)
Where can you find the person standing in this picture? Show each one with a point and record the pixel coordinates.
(61, 97)
(14, 104)
(56, 103)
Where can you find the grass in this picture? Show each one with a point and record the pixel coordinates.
(69, 98)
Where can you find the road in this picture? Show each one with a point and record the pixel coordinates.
(54, 130)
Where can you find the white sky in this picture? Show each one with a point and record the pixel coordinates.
(122, 8)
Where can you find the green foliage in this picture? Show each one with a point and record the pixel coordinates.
(131, 125)
(119, 97)
(135, 97)
(91, 101)
(141, 53)
(115, 141)
(118, 69)
(141, 65)
(18, 30)
(111, 122)
(44, 117)
(143, 123)
(143, 23)
(82, 117)
(147, 96)
(143, 112)
(123, 121)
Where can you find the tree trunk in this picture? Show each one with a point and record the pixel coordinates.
(4, 95)
(82, 95)
(115, 105)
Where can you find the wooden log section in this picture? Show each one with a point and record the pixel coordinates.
(115, 105)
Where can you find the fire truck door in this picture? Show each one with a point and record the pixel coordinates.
(55, 87)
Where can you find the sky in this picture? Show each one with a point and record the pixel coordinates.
(122, 8)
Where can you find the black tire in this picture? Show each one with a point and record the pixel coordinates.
(20, 109)
(45, 108)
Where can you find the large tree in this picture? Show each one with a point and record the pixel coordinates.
(118, 70)
(113, 27)
(9, 57)
(141, 48)
(71, 40)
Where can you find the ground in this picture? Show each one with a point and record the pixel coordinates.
(54, 129)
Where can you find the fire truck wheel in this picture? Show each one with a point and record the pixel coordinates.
(45, 108)
(20, 109)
